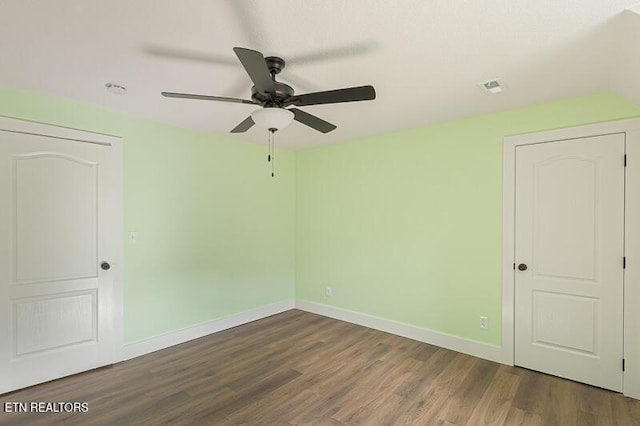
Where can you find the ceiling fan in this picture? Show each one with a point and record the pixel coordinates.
(274, 97)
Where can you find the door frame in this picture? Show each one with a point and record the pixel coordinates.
(116, 211)
(631, 128)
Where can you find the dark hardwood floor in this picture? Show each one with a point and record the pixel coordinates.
(301, 368)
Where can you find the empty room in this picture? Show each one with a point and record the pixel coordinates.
(332, 213)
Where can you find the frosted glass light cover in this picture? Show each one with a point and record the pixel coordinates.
(272, 118)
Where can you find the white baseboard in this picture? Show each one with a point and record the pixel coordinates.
(470, 347)
(142, 347)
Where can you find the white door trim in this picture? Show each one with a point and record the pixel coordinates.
(632, 236)
(116, 211)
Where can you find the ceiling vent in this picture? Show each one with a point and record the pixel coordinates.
(117, 88)
(492, 87)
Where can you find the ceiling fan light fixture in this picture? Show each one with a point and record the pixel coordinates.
(272, 118)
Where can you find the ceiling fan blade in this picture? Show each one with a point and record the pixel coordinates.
(250, 20)
(189, 55)
(205, 97)
(246, 124)
(344, 51)
(255, 65)
(351, 94)
(312, 121)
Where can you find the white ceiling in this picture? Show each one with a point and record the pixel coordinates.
(424, 57)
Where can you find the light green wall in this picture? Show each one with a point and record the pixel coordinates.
(215, 231)
(404, 226)
(408, 226)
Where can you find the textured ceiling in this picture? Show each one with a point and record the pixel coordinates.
(424, 57)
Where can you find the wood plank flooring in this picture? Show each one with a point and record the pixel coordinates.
(301, 368)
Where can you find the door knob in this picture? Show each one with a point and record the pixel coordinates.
(522, 267)
(105, 266)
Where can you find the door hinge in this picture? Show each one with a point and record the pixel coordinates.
(625, 160)
(624, 262)
(622, 364)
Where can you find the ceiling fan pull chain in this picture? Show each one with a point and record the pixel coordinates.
(272, 132)
(269, 149)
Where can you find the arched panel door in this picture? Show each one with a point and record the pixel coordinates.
(569, 250)
(57, 228)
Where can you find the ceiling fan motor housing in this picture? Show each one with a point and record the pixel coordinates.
(283, 92)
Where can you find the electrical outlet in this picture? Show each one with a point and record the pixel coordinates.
(328, 291)
(484, 323)
(133, 237)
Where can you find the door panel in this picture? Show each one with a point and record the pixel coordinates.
(570, 234)
(50, 322)
(56, 225)
(552, 310)
(55, 217)
(565, 204)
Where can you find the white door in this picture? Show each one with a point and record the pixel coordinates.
(570, 235)
(58, 214)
